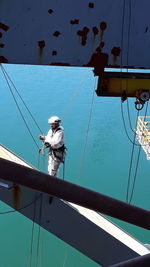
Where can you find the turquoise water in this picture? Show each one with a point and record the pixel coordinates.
(98, 157)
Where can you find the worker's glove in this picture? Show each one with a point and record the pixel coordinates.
(42, 137)
(47, 144)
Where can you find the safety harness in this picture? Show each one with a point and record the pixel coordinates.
(54, 151)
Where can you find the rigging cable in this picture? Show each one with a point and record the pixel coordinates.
(22, 116)
(65, 256)
(32, 232)
(133, 142)
(131, 161)
(129, 29)
(87, 132)
(135, 175)
(39, 230)
(125, 128)
(22, 208)
(129, 116)
(69, 105)
(2, 67)
(33, 220)
(122, 31)
(74, 94)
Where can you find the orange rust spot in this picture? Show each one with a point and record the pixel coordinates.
(95, 30)
(115, 51)
(54, 53)
(59, 64)
(4, 27)
(3, 59)
(103, 26)
(91, 5)
(99, 61)
(56, 33)
(50, 11)
(2, 45)
(75, 21)
(1, 34)
(41, 44)
(83, 34)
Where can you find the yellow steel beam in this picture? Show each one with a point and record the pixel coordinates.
(116, 85)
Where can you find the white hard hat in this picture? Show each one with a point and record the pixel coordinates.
(54, 119)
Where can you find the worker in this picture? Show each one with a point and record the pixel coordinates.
(54, 140)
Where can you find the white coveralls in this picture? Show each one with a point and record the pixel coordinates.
(56, 140)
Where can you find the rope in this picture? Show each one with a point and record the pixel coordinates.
(22, 208)
(32, 234)
(74, 95)
(65, 257)
(22, 116)
(87, 132)
(22, 99)
(38, 242)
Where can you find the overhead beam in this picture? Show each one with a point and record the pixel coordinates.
(123, 84)
(45, 183)
(141, 261)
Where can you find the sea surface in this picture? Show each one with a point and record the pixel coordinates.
(98, 156)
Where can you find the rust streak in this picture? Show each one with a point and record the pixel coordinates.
(146, 29)
(4, 27)
(50, 11)
(95, 30)
(3, 59)
(59, 64)
(91, 5)
(56, 33)
(2, 45)
(99, 61)
(83, 34)
(54, 53)
(41, 44)
(75, 21)
(103, 26)
(116, 51)
(102, 44)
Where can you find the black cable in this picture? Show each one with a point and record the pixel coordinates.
(130, 168)
(131, 160)
(40, 217)
(22, 208)
(22, 100)
(87, 134)
(32, 233)
(20, 110)
(129, 116)
(64, 170)
(137, 164)
(126, 128)
(135, 175)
